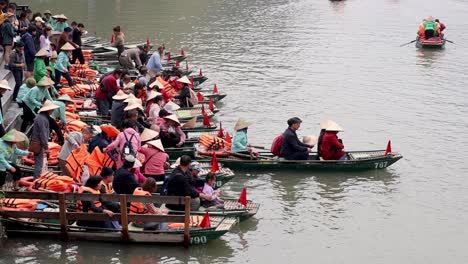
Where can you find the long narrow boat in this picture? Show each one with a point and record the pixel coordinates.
(185, 115)
(358, 160)
(197, 79)
(432, 43)
(232, 208)
(223, 175)
(200, 127)
(175, 153)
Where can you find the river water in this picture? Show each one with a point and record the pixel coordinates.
(313, 59)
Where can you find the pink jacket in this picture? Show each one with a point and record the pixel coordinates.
(119, 142)
(154, 160)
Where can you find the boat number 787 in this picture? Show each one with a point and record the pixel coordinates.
(381, 165)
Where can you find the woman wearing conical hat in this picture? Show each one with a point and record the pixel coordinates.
(184, 95)
(32, 100)
(240, 143)
(170, 132)
(63, 63)
(40, 70)
(9, 154)
(331, 147)
(156, 160)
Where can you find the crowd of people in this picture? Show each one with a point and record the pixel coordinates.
(430, 28)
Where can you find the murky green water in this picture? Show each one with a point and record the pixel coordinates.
(314, 59)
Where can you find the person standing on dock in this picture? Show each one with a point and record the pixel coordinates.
(40, 136)
(73, 141)
(62, 65)
(291, 147)
(154, 63)
(108, 87)
(9, 154)
(4, 86)
(77, 53)
(119, 40)
(17, 65)
(8, 35)
(32, 101)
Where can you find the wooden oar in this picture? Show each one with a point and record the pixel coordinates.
(257, 147)
(408, 43)
(450, 41)
(240, 155)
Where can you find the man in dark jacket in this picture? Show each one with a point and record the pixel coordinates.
(124, 180)
(17, 65)
(291, 147)
(29, 48)
(76, 38)
(180, 184)
(8, 35)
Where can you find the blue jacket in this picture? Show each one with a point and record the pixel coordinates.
(9, 154)
(240, 141)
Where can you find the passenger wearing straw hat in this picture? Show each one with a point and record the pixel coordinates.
(154, 105)
(9, 154)
(170, 132)
(240, 143)
(32, 101)
(156, 160)
(62, 65)
(40, 136)
(59, 113)
(60, 22)
(291, 147)
(40, 70)
(331, 146)
(4, 86)
(184, 95)
(118, 106)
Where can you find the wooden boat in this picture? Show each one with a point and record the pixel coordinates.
(232, 208)
(223, 175)
(33, 223)
(359, 160)
(175, 153)
(197, 79)
(432, 43)
(200, 127)
(185, 115)
(199, 106)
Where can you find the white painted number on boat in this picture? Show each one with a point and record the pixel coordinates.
(198, 240)
(219, 183)
(381, 165)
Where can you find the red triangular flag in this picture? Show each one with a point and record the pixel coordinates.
(112, 39)
(205, 223)
(220, 132)
(203, 109)
(228, 138)
(147, 41)
(191, 82)
(182, 52)
(206, 120)
(243, 197)
(169, 56)
(214, 163)
(215, 89)
(200, 97)
(177, 64)
(201, 73)
(186, 65)
(389, 148)
(211, 105)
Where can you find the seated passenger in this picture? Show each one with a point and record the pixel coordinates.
(441, 25)
(197, 183)
(125, 181)
(156, 160)
(171, 133)
(291, 147)
(107, 175)
(93, 185)
(332, 147)
(149, 187)
(184, 95)
(430, 28)
(239, 143)
(212, 199)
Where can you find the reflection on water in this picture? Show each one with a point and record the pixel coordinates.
(428, 57)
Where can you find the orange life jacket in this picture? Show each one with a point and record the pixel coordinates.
(25, 204)
(53, 182)
(79, 205)
(139, 208)
(108, 188)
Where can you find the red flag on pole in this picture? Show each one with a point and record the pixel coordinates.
(211, 104)
(243, 197)
(186, 65)
(206, 120)
(205, 222)
(201, 73)
(182, 52)
(203, 109)
(389, 148)
(177, 64)
(169, 56)
(220, 132)
(147, 42)
(215, 89)
(214, 163)
(228, 137)
(200, 97)
(191, 82)
(112, 39)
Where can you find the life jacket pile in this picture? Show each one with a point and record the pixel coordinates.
(53, 182)
(195, 221)
(15, 204)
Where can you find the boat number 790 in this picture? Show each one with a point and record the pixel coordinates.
(381, 165)
(198, 240)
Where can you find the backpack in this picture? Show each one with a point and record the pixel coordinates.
(276, 145)
(127, 148)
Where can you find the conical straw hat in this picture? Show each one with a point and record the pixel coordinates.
(120, 96)
(173, 118)
(152, 95)
(309, 140)
(48, 105)
(67, 47)
(54, 55)
(45, 81)
(174, 106)
(42, 53)
(331, 125)
(14, 136)
(190, 124)
(157, 144)
(156, 83)
(242, 123)
(184, 80)
(65, 98)
(134, 104)
(129, 97)
(61, 16)
(4, 85)
(148, 134)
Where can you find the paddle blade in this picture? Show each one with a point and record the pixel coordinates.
(214, 163)
(220, 132)
(211, 104)
(215, 88)
(243, 197)
(168, 56)
(200, 99)
(205, 223)
(182, 52)
(206, 120)
(201, 73)
(389, 148)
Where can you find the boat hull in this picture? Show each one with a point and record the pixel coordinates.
(433, 43)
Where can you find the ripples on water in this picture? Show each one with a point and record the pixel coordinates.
(316, 59)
